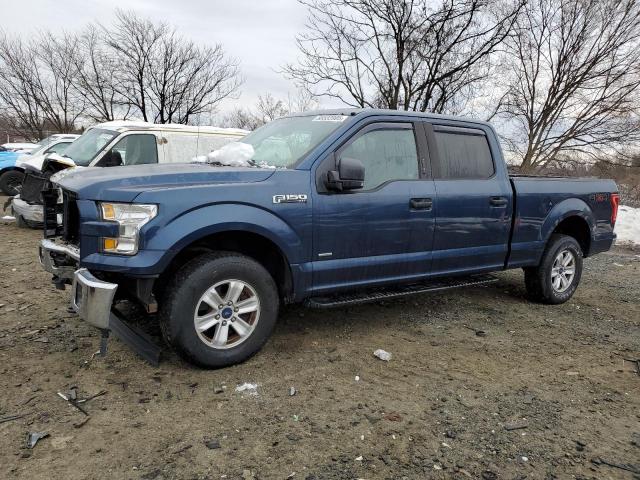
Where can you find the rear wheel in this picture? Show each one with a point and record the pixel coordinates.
(10, 182)
(219, 309)
(557, 277)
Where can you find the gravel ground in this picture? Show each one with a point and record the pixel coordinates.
(545, 393)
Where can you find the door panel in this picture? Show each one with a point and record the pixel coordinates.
(375, 236)
(474, 204)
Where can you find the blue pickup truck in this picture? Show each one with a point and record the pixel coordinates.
(329, 208)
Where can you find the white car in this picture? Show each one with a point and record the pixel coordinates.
(118, 143)
(13, 164)
(19, 147)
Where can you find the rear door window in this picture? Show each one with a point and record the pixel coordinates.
(463, 156)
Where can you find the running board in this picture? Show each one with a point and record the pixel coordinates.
(345, 300)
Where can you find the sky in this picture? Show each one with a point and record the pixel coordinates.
(260, 34)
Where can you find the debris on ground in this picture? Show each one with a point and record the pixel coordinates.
(72, 402)
(382, 355)
(622, 466)
(81, 423)
(292, 391)
(519, 425)
(250, 388)
(393, 417)
(212, 443)
(35, 437)
(11, 418)
(479, 333)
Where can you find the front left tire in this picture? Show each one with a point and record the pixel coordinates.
(219, 309)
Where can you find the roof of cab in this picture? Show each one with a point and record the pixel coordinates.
(126, 125)
(389, 112)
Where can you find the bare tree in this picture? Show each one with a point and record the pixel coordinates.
(98, 80)
(400, 54)
(36, 84)
(60, 101)
(164, 76)
(268, 108)
(573, 81)
(18, 69)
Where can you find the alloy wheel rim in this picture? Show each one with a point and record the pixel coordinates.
(563, 271)
(227, 314)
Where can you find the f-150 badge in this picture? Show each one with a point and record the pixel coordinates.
(291, 198)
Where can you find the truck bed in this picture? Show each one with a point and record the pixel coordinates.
(542, 202)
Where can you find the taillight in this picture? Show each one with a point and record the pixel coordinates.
(615, 201)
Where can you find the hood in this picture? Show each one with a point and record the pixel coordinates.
(31, 162)
(8, 159)
(124, 184)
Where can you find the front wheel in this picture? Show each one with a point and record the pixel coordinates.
(219, 309)
(10, 182)
(557, 277)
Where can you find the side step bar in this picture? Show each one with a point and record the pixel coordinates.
(335, 301)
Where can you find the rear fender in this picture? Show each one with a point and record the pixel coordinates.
(567, 208)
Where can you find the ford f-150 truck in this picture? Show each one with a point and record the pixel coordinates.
(329, 208)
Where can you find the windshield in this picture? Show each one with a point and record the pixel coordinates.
(83, 150)
(283, 142)
(46, 141)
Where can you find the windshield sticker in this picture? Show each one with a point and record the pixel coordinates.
(330, 118)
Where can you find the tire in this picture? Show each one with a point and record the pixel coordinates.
(225, 277)
(10, 182)
(557, 277)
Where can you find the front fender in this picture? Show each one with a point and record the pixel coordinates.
(565, 209)
(193, 225)
(201, 222)
(161, 242)
(12, 168)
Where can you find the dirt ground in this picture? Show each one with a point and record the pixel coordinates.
(544, 394)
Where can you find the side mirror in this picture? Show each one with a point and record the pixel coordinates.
(111, 159)
(349, 176)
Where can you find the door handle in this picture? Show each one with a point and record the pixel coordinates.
(421, 203)
(498, 201)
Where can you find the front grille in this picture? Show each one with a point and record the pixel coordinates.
(70, 218)
(32, 187)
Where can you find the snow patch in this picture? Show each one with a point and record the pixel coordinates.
(8, 218)
(234, 154)
(628, 225)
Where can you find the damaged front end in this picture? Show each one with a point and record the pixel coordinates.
(29, 204)
(92, 298)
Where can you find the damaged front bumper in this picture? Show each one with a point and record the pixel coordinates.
(92, 298)
(31, 213)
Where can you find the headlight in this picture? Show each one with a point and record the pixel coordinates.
(131, 217)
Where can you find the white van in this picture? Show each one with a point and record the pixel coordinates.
(119, 143)
(141, 142)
